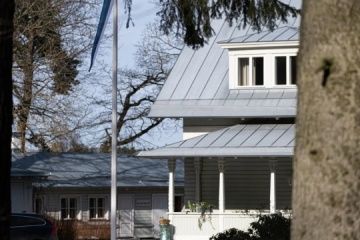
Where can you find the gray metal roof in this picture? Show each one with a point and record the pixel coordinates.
(198, 83)
(285, 33)
(16, 172)
(251, 140)
(277, 102)
(93, 169)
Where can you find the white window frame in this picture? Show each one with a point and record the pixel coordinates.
(250, 71)
(78, 207)
(268, 52)
(106, 206)
(234, 70)
(288, 69)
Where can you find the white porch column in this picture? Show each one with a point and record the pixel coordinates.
(221, 165)
(272, 165)
(171, 166)
(198, 166)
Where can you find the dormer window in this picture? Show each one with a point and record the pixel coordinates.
(262, 64)
(285, 70)
(251, 71)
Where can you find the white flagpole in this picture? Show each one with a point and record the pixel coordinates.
(114, 118)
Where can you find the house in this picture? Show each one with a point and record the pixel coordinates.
(22, 190)
(237, 98)
(76, 186)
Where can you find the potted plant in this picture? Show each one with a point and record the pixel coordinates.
(164, 221)
(204, 209)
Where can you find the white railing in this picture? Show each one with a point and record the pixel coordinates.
(185, 225)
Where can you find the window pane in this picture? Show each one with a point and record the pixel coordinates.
(72, 202)
(64, 213)
(243, 72)
(293, 69)
(72, 213)
(101, 207)
(100, 213)
(64, 203)
(92, 208)
(92, 202)
(258, 71)
(92, 213)
(280, 70)
(100, 202)
(72, 207)
(64, 208)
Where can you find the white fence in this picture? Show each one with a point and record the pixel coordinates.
(185, 226)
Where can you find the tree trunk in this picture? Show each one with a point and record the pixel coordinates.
(6, 105)
(326, 195)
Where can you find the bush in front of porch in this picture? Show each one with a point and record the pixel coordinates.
(268, 227)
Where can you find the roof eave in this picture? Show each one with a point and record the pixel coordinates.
(247, 45)
(181, 111)
(218, 152)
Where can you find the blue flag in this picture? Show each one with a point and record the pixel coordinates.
(105, 13)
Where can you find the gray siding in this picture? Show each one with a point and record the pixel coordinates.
(21, 196)
(190, 179)
(143, 222)
(247, 183)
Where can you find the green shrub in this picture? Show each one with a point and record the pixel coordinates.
(268, 227)
(233, 234)
(271, 227)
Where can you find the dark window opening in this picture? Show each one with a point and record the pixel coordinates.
(178, 204)
(280, 70)
(293, 69)
(258, 71)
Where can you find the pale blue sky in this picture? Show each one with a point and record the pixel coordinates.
(143, 12)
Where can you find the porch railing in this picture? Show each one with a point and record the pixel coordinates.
(190, 226)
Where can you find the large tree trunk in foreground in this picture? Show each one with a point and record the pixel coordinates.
(326, 197)
(6, 33)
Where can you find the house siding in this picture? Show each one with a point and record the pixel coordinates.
(21, 195)
(143, 221)
(247, 183)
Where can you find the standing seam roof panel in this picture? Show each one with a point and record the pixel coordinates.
(243, 135)
(207, 68)
(195, 64)
(226, 138)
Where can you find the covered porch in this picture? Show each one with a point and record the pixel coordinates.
(244, 170)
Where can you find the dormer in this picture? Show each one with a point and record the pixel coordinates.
(263, 60)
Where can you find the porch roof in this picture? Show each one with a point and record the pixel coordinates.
(250, 140)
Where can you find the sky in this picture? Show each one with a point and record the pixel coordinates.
(143, 12)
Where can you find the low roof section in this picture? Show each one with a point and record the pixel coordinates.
(28, 174)
(198, 83)
(94, 170)
(249, 140)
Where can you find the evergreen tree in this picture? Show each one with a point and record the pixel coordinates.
(192, 19)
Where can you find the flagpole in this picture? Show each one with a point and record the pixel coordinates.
(114, 120)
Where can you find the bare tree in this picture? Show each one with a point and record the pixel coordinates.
(137, 90)
(70, 142)
(49, 41)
